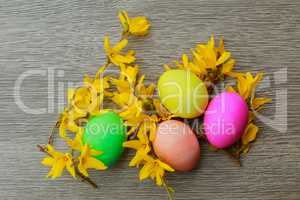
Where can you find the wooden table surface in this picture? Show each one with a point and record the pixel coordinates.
(66, 37)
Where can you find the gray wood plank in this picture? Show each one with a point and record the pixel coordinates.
(68, 35)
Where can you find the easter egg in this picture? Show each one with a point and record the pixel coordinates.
(182, 93)
(225, 119)
(106, 133)
(176, 144)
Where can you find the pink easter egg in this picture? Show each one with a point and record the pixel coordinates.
(176, 144)
(225, 119)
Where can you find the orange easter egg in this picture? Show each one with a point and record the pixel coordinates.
(176, 144)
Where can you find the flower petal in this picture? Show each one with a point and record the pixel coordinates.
(63, 130)
(137, 159)
(146, 170)
(139, 26)
(224, 57)
(94, 164)
(118, 59)
(48, 161)
(158, 177)
(257, 103)
(249, 134)
(106, 44)
(134, 144)
(185, 60)
(124, 20)
(228, 66)
(211, 42)
(165, 166)
(58, 168)
(70, 165)
(83, 170)
(120, 45)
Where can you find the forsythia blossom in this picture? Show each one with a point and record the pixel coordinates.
(58, 161)
(115, 55)
(136, 26)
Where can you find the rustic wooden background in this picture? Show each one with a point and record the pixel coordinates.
(68, 35)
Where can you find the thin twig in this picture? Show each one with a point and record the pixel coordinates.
(51, 135)
(168, 190)
(42, 149)
(85, 178)
(52, 131)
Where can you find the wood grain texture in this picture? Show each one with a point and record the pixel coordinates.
(68, 35)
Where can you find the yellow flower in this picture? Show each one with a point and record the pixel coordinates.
(133, 110)
(131, 74)
(82, 99)
(209, 55)
(143, 91)
(246, 84)
(97, 84)
(162, 112)
(123, 98)
(89, 97)
(251, 117)
(151, 125)
(133, 97)
(228, 66)
(138, 26)
(96, 88)
(197, 66)
(76, 143)
(142, 147)
(87, 161)
(69, 121)
(154, 169)
(122, 85)
(82, 102)
(208, 62)
(248, 136)
(127, 79)
(58, 162)
(114, 53)
(257, 103)
(134, 122)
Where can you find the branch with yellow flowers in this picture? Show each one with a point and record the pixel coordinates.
(213, 64)
(246, 87)
(55, 172)
(136, 103)
(141, 111)
(85, 102)
(210, 63)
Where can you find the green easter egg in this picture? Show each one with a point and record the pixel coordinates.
(182, 93)
(106, 133)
